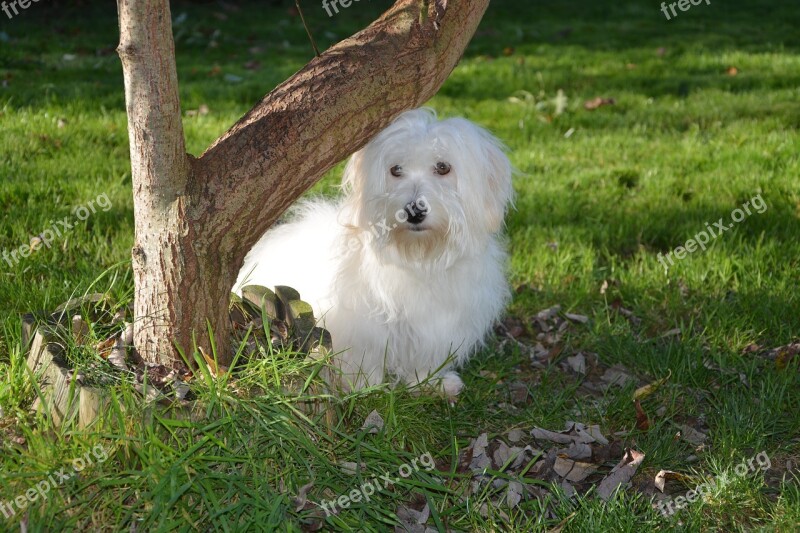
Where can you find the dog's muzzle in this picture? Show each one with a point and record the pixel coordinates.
(416, 211)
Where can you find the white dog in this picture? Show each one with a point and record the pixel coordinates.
(407, 270)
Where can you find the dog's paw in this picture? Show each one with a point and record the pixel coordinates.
(452, 385)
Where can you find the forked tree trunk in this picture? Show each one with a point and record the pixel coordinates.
(196, 219)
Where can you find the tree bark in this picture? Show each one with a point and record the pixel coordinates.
(162, 256)
(196, 219)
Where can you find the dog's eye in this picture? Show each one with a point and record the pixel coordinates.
(442, 168)
(396, 171)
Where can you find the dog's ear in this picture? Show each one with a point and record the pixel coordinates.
(488, 173)
(497, 174)
(353, 188)
(486, 170)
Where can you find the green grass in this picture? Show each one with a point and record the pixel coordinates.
(599, 195)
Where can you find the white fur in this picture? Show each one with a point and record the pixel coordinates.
(397, 297)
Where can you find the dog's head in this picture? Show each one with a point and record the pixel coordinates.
(427, 190)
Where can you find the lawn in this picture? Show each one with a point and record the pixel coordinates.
(613, 200)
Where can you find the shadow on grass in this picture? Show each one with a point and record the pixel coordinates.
(214, 39)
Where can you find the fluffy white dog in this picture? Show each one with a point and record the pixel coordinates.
(407, 270)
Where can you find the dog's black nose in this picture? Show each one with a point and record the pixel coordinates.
(415, 214)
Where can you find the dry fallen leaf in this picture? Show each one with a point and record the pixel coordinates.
(80, 329)
(104, 347)
(412, 520)
(302, 496)
(511, 327)
(598, 102)
(617, 375)
(501, 454)
(351, 469)
(783, 355)
(732, 71)
(127, 334)
(577, 318)
(514, 493)
(543, 434)
(642, 423)
(577, 363)
(587, 434)
(181, 390)
(643, 392)
(117, 355)
(692, 436)
(664, 475)
(671, 333)
(215, 369)
(575, 432)
(515, 435)
(480, 460)
(752, 347)
(373, 422)
(620, 474)
(627, 313)
(519, 392)
(574, 471)
(548, 313)
(577, 451)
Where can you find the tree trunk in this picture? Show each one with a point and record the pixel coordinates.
(196, 219)
(162, 261)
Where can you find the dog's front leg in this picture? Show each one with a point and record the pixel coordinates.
(447, 382)
(452, 385)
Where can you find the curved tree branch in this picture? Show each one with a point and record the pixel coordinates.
(326, 111)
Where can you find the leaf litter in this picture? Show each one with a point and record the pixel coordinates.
(506, 470)
(501, 472)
